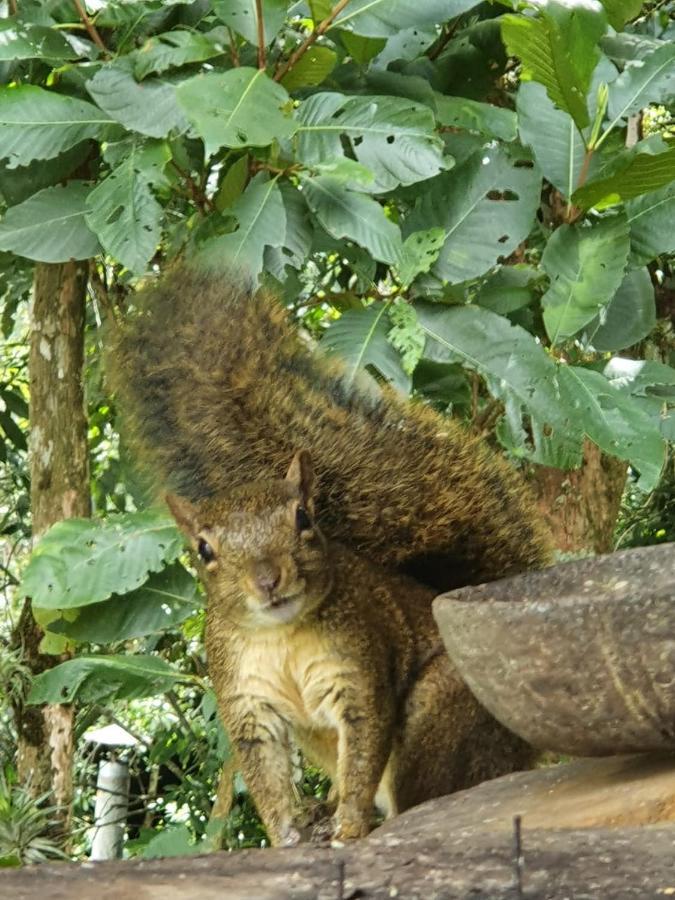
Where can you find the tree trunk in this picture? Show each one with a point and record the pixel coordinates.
(581, 506)
(59, 468)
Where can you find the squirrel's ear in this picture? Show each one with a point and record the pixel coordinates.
(184, 513)
(301, 475)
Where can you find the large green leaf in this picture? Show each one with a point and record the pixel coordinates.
(643, 81)
(486, 206)
(555, 140)
(25, 40)
(261, 222)
(392, 137)
(487, 119)
(241, 16)
(173, 49)
(615, 422)
(165, 599)
(311, 69)
(586, 265)
(384, 18)
(149, 108)
(347, 214)
(651, 220)
(559, 50)
(642, 173)
(508, 289)
(517, 370)
(50, 226)
(20, 183)
(82, 561)
(628, 317)
(420, 251)
(90, 679)
(123, 212)
(651, 385)
(621, 11)
(238, 108)
(359, 337)
(40, 124)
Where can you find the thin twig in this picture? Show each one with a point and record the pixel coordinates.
(262, 62)
(91, 28)
(11, 5)
(320, 29)
(437, 48)
(518, 856)
(198, 196)
(341, 879)
(234, 52)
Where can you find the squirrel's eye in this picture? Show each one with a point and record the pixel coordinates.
(205, 550)
(302, 520)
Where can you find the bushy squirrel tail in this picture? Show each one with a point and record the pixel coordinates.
(218, 388)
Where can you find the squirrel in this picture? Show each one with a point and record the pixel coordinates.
(325, 642)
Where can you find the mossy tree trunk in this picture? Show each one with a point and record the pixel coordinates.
(59, 468)
(582, 505)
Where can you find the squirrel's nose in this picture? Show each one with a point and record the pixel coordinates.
(267, 577)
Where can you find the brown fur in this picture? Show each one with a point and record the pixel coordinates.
(350, 668)
(219, 390)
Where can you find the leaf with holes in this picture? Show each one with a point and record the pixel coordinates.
(83, 561)
(650, 219)
(559, 49)
(643, 81)
(25, 40)
(486, 207)
(261, 222)
(50, 226)
(40, 124)
(91, 679)
(642, 173)
(241, 16)
(149, 108)
(460, 112)
(173, 49)
(586, 265)
(615, 422)
(311, 69)
(517, 371)
(392, 137)
(629, 316)
(123, 212)
(238, 108)
(384, 18)
(347, 214)
(420, 251)
(359, 338)
(165, 599)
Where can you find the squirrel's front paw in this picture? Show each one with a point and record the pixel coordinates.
(350, 829)
(289, 837)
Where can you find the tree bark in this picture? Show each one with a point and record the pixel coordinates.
(59, 469)
(581, 506)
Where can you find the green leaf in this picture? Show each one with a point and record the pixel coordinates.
(361, 49)
(406, 334)
(407, 44)
(643, 81)
(24, 40)
(261, 222)
(50, 226)
(90, 679)
(392, 137)
(165, 599)
(642, 173)
(173, 841)
(12, 431)
(173, 49)
(40, 124)
(359, 338)
(517, 371)
(615, 422)
(420, 252)
(651, 220)
(149, 108)
(384, 18)
(22, 182)
(347, 214)
(508, 289)
(586, 265)
(240, 16)
(628, 317)
(559, 50)
(238, 108)
(621, 11)
(232, 185)
(125, 216)
(486, 207)
(311, 69)
(641, 378)
(555, 140)
(485, 118)
(298, 238)
(82, 561)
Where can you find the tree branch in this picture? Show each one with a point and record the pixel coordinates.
(261, 34)
(320, 29)
(91, 28)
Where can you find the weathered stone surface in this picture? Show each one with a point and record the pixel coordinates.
(451, 848)
(578, 658)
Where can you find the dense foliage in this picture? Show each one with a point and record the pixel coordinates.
(472, 201)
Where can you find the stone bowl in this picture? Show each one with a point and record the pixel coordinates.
(578, 658)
